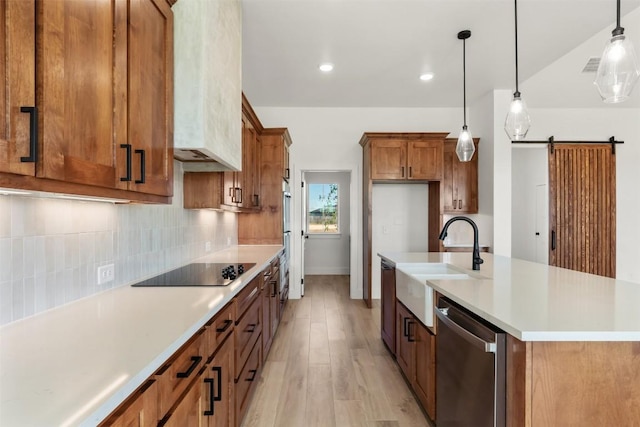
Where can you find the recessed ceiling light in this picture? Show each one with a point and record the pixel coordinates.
(426, 76)
(326, 67)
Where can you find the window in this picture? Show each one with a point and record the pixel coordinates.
(322, 217)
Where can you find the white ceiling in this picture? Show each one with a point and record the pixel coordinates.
(380, 47)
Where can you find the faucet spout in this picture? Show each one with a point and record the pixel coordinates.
(476, 246)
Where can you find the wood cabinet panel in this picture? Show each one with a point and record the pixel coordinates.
(405, 341)
(150, 95)
(102, 76)
(247, 333)
(388, 307)
(242, 189)
(460, 181)
(140, 410)
(219, 328)
(17, 74)
(388, 159)
(425, 372)
(424, 160)
(203, 190)
(266, 226)
(178, 374)
(188, 412)
(246, 382)
(218, 405)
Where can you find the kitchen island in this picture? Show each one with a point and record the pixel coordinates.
(75, 364)
(573, 344)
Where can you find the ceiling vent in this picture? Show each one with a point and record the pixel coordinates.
(591, 66)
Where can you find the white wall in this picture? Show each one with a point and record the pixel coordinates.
(530, 169)
(327, 139)
(328, 253)
(50, 249)
(399, 223)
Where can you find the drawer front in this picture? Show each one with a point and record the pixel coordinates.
(247, 295)
(246, 334)
(246, 382)
(177, 374)
(218, 328)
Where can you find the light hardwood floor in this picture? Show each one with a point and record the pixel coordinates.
(328, 367)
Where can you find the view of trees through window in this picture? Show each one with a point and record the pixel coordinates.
(323, 208)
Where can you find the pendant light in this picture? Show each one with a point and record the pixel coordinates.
(518, 121)
(618, 70)
(464, 147)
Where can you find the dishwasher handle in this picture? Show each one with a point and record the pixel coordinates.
(488, 347)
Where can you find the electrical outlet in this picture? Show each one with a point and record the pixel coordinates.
(207, 247)
(106, 273)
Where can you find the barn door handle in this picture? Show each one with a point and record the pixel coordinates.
(553, 240)
(33, 134)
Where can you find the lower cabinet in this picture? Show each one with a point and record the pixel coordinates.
(405, 339)
(416, 356)
(209, 382)
(424, 383)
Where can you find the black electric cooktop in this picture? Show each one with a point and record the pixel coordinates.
(199, 274)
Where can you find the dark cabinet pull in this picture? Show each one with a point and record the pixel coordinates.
(210, 411)
(405, 329)
(409, 336)
(213, 395)
(275, 292)
(256, 200)
(227, 325)
(253, 373)
(410, 172)
(143, 162)
(33, 134)
(237, 195)
(252, 326)
(403, 171)
(127, 177)
(459, 203)
(287, 173)
(553, 240)
(195, 361)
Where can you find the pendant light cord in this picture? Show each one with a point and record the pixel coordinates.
(515, 3)
(464, 80)
(618, 30)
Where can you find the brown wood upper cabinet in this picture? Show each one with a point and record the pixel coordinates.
(241, 190)
(102, 76)
(406, 159)
(460, 183)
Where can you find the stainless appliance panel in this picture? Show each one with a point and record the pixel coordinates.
(470, 369)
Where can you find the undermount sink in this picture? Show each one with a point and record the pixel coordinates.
(412, 289)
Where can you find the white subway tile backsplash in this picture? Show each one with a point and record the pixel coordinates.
(50, 249)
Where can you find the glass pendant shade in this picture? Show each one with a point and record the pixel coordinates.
(465, 147)
(518, 122)
(618, 71)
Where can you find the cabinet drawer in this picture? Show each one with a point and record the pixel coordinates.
(179, 372)
(247, 295)
(140, 409)
(247, 332)
(247, 381)
(218, 328)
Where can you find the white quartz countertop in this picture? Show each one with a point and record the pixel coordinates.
(537, 302)
(73, 365)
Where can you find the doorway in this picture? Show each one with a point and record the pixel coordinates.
(326, 217)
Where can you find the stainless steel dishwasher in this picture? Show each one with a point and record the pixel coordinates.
(470, 369)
